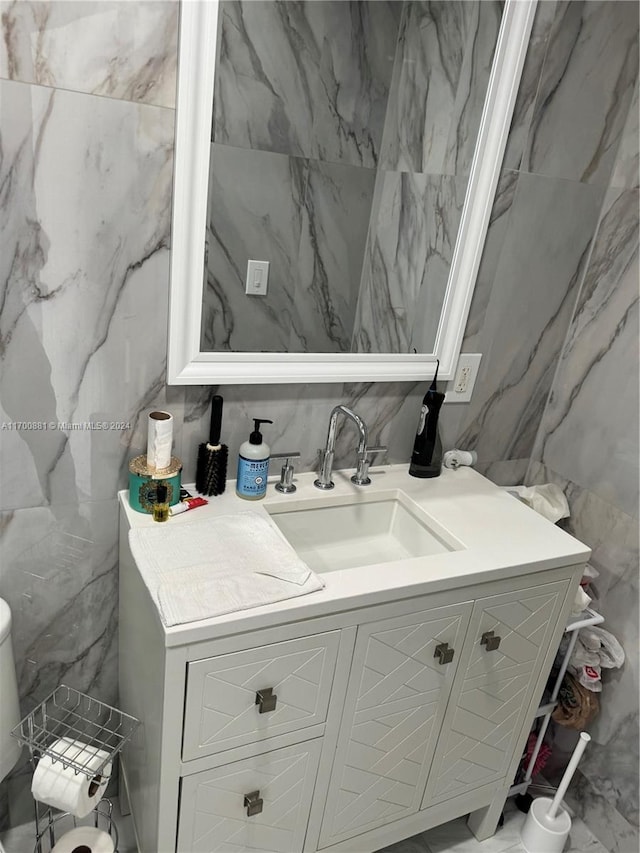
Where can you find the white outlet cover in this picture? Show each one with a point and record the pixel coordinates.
(471, 361)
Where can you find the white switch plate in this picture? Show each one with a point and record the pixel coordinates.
(257, 278)
(461, 388)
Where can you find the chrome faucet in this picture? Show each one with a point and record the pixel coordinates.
(361, 477)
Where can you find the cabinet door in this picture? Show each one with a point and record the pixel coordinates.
(216, 818)
(394, 706)
(494, 687)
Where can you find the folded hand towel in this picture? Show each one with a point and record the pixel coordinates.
(207, 568)
(195, 593)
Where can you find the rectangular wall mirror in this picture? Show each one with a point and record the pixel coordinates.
(355, 148)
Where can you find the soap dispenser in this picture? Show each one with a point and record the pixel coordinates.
(253, 465)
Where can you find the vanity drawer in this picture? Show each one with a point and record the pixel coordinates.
(228, 700)
(258, 804)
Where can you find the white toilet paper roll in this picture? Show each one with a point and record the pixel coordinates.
(65, 788)
(87, 837)
(159, 440)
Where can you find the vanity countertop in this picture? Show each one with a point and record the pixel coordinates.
(496, 530)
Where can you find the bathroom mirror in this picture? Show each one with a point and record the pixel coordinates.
(355, 147)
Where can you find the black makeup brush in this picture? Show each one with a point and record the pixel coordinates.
(211, 471)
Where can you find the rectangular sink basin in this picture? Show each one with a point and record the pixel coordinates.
(333, 535)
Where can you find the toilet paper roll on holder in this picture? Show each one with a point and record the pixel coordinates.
(103, 729)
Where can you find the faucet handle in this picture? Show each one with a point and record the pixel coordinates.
(371, 451)
(286, 474)
(361, 477)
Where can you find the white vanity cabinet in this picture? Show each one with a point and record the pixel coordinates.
(341, 720)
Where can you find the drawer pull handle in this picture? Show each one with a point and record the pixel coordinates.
(489, 640)
(266, 699)
(444, 653)
(253, 803)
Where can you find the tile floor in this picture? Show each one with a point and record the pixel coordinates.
(453, 837)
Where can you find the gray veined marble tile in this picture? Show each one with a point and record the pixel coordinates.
(614, 832)
(529, 82)
(406, 270)
(59, 576)
(498, 228)
(300, 415)
(121, 50)
(391, 411)
(59, 573)
(610, 764)
(335, 220)
(626, 172)
(585, 91)
(589, 432)
(443, 62)
(84, 213)
(289, 80)
(255, 212)
(532, 298)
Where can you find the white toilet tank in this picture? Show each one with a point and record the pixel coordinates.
(9, 708)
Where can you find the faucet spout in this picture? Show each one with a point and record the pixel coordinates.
(324, 480)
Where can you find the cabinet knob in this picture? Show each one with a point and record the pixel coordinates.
(266, 700)
(489, 640)
(444, 653)
(253, 803)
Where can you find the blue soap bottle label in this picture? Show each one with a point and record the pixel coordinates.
(252, 477)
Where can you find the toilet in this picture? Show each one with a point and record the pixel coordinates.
(9, 707)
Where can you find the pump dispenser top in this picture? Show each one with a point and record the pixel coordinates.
(253, 464)
(256, 435)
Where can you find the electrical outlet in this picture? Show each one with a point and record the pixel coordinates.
(463, 379)
(461, 389)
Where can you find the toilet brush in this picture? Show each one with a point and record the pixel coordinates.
(211, 470)
(547, 825)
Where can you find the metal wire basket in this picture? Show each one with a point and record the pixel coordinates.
(67, 713)
(74, 718)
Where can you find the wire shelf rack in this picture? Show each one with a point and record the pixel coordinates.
(76, 717)
(51, 827)
(65, 721)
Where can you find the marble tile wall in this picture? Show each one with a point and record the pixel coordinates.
(85, 192)
(120, 50)
(443, 61)
(588, 443)
(289, 79)
(441, 72)
(408, 256)
(409, 101)
(87, 96)
(297, 131)
(309, 219)
(537, 246)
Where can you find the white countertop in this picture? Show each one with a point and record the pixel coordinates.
(498, 532)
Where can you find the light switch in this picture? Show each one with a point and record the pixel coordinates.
(257, 278)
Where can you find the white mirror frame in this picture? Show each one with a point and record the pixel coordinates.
(186, 363)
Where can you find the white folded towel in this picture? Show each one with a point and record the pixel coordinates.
(207, 568)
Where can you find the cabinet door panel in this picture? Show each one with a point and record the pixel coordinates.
(221, 711)
(493, 690)
(393, 711)
(213, 815)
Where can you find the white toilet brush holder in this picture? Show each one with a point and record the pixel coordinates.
(547, 826)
